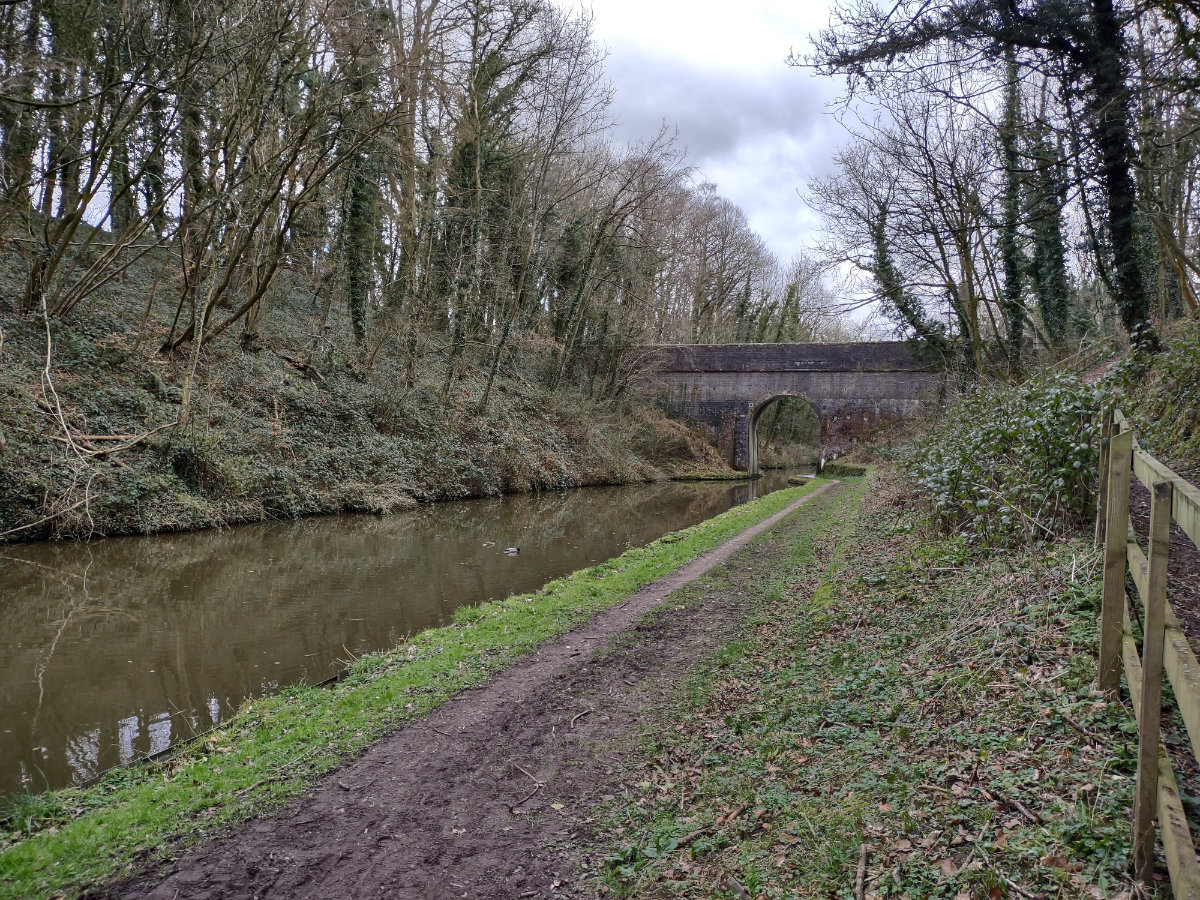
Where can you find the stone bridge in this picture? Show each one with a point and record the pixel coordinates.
(854, 388)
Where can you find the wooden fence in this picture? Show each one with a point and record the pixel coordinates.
(1164, 646)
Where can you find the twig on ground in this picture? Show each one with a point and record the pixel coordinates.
(277, 775)
(688, 838)
(305, 367)
(45, 519)
(1017, 806)
(580, 715)
(738, 891)
(513, 808)
(1017, 889)
(537, 786)
(861, 878)
(1080, 727)
(527, 772)
(737, 812)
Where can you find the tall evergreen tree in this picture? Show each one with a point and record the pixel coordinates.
(1045, 196)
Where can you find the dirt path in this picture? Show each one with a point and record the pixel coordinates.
(480, 799)
(1183, 564)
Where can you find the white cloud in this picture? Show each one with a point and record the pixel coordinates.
(716, 111)
(718, 73)
(766, 176)
(752, 33)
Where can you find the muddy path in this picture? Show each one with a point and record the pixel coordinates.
(486, 796)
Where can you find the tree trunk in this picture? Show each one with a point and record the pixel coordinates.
(358, 244)
(1012, 304)
(21, 145)
(1116, 164)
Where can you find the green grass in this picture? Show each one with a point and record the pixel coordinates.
(910, 700)
(274, 747)
(843, 470)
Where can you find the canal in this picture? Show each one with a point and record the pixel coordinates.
(115, 649)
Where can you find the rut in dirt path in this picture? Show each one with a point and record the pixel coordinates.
(477, 799)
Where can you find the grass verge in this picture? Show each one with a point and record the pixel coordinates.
(923, 710)
(271, 751)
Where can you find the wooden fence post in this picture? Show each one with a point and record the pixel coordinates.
(1106, 433)
(1146, 796)
(1112, 606)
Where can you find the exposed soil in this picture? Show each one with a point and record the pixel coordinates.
(1183, 564)
(486, 796)
(1183, 593)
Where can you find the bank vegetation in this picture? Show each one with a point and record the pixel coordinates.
(312, 255)
(1021, 178)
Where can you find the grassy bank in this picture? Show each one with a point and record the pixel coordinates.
(274, 747)
(923, 709)
(1162, 394)
(89, 444)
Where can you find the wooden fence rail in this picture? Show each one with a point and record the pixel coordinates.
(1164, 646)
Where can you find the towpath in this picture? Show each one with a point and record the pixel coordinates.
(487, 796)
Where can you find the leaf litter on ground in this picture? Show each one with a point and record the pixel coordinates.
(897, 696)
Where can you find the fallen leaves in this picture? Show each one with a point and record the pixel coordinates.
(924, 717)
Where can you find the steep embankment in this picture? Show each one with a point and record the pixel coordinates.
(279, 428)
(1162, 394)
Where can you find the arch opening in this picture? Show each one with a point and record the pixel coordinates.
(791, 427)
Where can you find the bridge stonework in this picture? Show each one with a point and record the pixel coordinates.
(854, 388)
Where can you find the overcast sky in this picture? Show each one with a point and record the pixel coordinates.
(718, 72)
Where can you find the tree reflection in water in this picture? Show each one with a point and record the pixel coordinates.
(113, 650)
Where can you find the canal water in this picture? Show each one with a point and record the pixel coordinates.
(115, 649)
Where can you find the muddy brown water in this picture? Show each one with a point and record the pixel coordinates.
(116, 649)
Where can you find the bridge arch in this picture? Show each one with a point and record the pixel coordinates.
(756, 412)
(724, 388)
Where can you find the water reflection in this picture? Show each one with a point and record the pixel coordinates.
(116, 649)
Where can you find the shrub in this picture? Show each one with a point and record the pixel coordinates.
(1012, 464)
(1164, 401)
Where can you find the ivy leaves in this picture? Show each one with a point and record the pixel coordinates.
(1013, 465)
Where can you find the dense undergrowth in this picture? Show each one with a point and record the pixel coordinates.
(1018, 464)
(1162, 395)
(292, 424)
(274, 747)
(921, 708)
(1008, 464)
